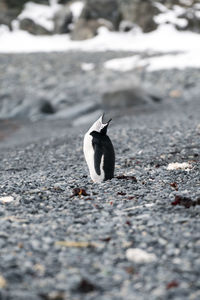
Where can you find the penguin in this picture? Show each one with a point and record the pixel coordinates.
(99, 151)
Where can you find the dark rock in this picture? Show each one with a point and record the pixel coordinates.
(185, 201)
(7, 17)
(46, 107)
(102, 9)
(85, 286)
(62, 19)
(10, 9)
(14, 276)
(63, 1)
(33, 28)
(20, 3)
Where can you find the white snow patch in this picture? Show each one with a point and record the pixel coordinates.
(87, 66)
(197, 14)
(184, 45)
(139, 256)
(124, 64)
(6, 199)
(185, 166)
(40, 14)
(165, 39)
(178, 61)
(76, 9)
(170, 15)
(4, 29)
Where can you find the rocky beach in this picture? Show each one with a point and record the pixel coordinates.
(64, 237)
(62, 64)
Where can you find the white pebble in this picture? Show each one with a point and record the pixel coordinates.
(87, 67)
(137, 255)
(179, 166)
(6, 199)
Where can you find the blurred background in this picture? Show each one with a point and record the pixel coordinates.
(71, 60)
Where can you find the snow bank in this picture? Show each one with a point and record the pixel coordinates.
(40, 14)
(173, 49)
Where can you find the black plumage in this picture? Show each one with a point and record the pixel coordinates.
(103, 150)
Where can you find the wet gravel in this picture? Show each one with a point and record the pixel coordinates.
(38, 227)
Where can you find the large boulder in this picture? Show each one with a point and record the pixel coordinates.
(84, 30)
(96, 13)
(123, 94)
(6, 17)
(33, 28)
(139, 12)
(102, 9)
(131, 12)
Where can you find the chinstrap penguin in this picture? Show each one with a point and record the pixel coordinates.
(99, 152)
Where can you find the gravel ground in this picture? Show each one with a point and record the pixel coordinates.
(59, 243)
(115, 216)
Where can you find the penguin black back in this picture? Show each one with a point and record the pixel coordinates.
(104, 154)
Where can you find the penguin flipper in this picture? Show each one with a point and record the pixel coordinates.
(98, 151)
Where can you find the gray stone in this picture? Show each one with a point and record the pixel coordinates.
(33, 28)
(123, 94)
(84, 29)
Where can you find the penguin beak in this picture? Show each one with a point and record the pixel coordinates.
(102, 120)
(109, 121)
(104, 126)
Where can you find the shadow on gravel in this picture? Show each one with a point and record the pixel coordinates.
(7, 128)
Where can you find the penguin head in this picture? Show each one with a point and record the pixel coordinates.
(99, 126)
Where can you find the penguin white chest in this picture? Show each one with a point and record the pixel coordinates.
(90, 159)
